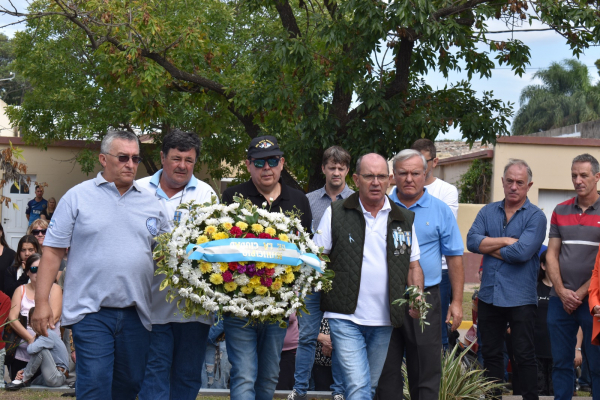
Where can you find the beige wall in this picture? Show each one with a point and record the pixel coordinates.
(550, 165)
(5, 126)
(451, 173)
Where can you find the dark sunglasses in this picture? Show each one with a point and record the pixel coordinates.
(33, 270)
(36, 232)
(124, 159)
(260, 162)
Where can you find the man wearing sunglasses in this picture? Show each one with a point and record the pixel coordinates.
(265, 163)
(177, 344)
(109, 223)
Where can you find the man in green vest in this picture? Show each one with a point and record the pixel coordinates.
(375, 254)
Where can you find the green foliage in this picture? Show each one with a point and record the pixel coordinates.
(474, 185)
(460, 380)
(314, 73)
(11, 91)
(565, 97)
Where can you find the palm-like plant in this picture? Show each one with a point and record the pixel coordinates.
(565, 97)
(461, 379)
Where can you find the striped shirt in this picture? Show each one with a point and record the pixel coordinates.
(319, 202)
(580, 235)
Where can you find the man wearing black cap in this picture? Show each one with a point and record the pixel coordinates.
(255, 350)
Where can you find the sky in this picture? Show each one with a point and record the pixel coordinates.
(545, 47)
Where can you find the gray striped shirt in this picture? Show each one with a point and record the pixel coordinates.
(319, 202)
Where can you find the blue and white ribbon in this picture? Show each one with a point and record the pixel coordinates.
(255, 250)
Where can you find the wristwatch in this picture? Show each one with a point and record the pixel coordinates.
(578, 348)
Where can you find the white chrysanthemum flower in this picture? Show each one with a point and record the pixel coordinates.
(224, 220)
(175, 279)
(241, 280)
(212, 221)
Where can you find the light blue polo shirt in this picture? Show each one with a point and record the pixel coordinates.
(438, 234)
(164, 312)
(110, 238)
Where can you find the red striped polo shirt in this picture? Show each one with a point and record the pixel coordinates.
(580, 235)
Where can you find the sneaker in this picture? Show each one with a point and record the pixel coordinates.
(338, 397)
(295, 396)
(16, 385)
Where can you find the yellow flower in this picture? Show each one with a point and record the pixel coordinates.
(257, 228)
(223, 266)
(227, 225)
(242, 225)
(230, 286)
(288, 269)
(246, 289)
(216, 279)
(261, 265)
(270, 231)
(210, 230)
(270, 265)
(296, 268)
(260, 290)
(220, 235)
(205, 267)
(276, 285)
(201, 239)
(288, 278)
(254, 281)
(283, 237)
(242, 262)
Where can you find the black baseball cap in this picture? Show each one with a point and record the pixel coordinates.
(263, 147)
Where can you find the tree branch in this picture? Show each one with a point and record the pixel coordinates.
(447, 11)
(288, 20)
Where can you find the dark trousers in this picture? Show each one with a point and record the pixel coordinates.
(423, 356)
(492, 323)
(287, 367)
(323, 377)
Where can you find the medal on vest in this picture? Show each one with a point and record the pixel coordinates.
(398, 238)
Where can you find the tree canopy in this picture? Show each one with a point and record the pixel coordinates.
(314, 73)
(565, 97)
(11, 90)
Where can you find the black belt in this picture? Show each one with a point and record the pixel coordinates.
(431, 287)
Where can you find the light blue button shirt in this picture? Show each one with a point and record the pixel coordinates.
(438, 234)
(164, 312)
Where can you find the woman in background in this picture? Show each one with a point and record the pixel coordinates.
(15, 275)
(22, 300)
(49, 211)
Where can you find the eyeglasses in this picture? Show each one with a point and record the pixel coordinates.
(33, 270)
(124, 159)
(371, 178)
(431, 159)
(260, 162)
(36, 232)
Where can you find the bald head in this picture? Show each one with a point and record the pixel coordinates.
(371, 157)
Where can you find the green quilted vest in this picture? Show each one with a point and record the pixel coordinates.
(346, 258)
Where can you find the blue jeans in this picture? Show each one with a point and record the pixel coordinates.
(254, 352)
(175, 360)
(360, 352)
(309, 325)
(563, 328)
(445, 297)
(112, 347)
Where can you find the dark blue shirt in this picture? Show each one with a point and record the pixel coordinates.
(513, 281)
(35, 209)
